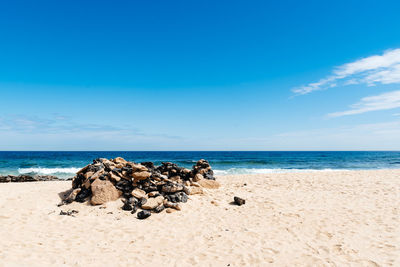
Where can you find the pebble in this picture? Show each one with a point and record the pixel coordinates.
(144, 214)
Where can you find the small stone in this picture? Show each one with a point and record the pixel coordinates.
(134, 209)
(172, 188)
(215, 203)
(72, 196)
(153, 203)
(169, 210)
(138, 193)
(127, 207)
(141, 175)
(119, 160)
(159, 209)
(138, 167)
(239, 201)
(143, 214)
(153, 194)
(172, 205)
(142, 201)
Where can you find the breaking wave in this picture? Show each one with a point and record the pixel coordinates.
(48, 171)
(262, 171)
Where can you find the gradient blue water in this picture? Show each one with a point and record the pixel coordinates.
(64, 164)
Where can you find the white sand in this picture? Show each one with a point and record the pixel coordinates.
(296, 219)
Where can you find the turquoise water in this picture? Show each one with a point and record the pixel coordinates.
(65, 164)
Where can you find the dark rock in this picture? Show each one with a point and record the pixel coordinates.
(172, 188)
(142, 201)
(143, 214)
(83, 195)
(134, 209)
(239, 201)
(127, 207)
(27, 178)
(69, 212)
(159, 208)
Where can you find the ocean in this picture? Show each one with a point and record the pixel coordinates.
(64, 164)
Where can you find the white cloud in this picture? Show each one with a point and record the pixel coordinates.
(384, 69)
(384, 101)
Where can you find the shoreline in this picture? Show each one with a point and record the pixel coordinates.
(296, 219)
(49, 177)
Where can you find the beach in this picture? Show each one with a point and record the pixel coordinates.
(320, 218)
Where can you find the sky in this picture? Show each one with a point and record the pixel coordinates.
(199, 75)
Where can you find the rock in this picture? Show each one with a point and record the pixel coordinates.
(153, 203)
(119, 160)
(142, 201)
(133, 201)
(138, 193)
(239, 201)
(172, 205)
(103, 191)
(159, 208)
(134, 209)
(153, 194)
(196, 190)
(143, 214)
(138, 167)
(87, 175)
(177, 197)
(69, 212)
(169, 210)
(141, 175)
(186, 189)
(172, 188)
(198, 177)
(83, 194)
(127, 206)
(72, 196)
(114, 177)
(209, 184)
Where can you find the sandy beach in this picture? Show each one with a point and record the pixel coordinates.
(336, 218)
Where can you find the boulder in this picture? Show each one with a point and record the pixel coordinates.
(103, 191)
(209, 184)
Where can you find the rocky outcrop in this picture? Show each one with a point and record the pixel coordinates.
(27, 178)
(142, 186)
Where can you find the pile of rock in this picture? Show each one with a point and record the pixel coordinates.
(141, 185)
(27, 178)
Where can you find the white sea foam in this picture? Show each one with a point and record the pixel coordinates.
(262, 171)
(48, 171)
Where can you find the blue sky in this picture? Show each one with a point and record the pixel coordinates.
(199, 75)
